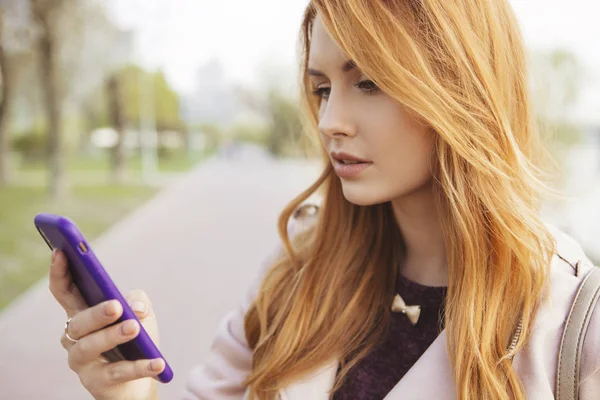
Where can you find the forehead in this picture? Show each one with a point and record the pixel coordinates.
(323, 50)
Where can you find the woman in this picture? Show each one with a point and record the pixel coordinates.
(427, 272)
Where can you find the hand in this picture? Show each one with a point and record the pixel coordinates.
(91, 328)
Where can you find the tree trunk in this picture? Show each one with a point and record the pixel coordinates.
(115, 109)
(5, 104)
(88, 115)
(47, 49)
(187, 141)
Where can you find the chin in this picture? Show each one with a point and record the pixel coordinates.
(361, 194)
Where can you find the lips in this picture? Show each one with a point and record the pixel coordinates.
(349, 162)
(349, 166)
(347, 158)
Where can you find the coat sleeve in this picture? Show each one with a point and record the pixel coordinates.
(229, 362)
(589, 384)
(222, 374)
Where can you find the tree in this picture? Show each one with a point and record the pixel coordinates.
(282, 114)
(15, 38)
(164, 107)
(285, 127)
(69, 67)
(45, 15)
(165, 104)
(5, 102)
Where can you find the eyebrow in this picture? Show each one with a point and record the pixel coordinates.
(348, 66)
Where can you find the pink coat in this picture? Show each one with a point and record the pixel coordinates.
(222, 374)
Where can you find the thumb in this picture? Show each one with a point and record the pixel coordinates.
(142, 307)
(140, 304)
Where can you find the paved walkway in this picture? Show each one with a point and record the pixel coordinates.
(194, 249)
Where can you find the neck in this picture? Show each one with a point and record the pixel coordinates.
(419, 222)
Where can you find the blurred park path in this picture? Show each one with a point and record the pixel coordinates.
(194, 249)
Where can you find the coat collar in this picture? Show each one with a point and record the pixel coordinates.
(430, 377)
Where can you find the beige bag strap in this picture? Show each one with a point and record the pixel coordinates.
(567, 377)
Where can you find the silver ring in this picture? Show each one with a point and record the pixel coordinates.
(67, 332)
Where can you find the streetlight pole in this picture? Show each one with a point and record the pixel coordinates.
(148, 126)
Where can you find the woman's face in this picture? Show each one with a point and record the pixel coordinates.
(357, 121)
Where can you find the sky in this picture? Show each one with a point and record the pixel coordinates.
(181, 35)
(242, 34)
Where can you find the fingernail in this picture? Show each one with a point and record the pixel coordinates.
(53, 255)
(155, 365)
(111, 308)
(138, 306)
(128, 327)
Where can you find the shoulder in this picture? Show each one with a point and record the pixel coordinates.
(569, 263)
(570, 266)
(568, 254)
(304, 217)
(302, 220)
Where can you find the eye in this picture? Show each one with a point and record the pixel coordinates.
(367, 86)
(322, 92)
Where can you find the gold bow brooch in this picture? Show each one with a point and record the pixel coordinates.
(412, 312)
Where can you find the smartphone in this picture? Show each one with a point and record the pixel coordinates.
(96, 286)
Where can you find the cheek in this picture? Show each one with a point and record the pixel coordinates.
(325, 140)
(409, 151)
(403, 149)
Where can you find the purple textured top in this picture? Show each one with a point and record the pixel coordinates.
(403, 344)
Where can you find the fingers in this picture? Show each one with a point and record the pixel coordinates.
(66, 343)
(90, 348)
(112, 374)
(142, 307)
(62, 287)
(91, 320)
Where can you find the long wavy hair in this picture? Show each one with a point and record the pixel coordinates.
(460, 65)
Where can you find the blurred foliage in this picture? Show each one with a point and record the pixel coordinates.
(564, 134)
(166, 101)
(251, 133)
(31, 145)
(285, 126)
(282, 130)
(132, 77)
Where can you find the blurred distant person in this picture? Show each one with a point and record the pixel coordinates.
(427, 272)
(228, 149)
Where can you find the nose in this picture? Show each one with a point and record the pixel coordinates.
(335, 120)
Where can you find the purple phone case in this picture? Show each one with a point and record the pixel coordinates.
(95, 285)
